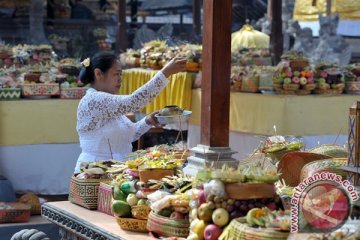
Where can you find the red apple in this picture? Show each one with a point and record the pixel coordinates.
(201, 197)
(176, 215)
(212, 232)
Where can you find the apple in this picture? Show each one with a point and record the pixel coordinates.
(176, 215)
(212, 232)
(201, 197)
(220, 217)
(303, 80)
(199, 228)
(296, 73)
(141, 202)
(132, 200)
(287, 80)
(295, 80)
(193, 236)
(205, 212)
(321, 80)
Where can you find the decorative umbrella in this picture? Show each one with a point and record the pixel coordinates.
(248, 37)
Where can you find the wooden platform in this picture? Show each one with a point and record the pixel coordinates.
(87, 224)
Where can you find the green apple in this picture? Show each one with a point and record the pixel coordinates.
(321, 80)
(141, 202)
(220, 217)
(296, 73)
(131, 199)
(287, 80)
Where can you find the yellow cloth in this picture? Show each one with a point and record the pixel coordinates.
(292, 115)
(38, 122)
(308, 10)
(177, 92)
(54, 121)
(248, 37)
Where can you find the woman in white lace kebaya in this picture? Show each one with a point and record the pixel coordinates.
(104, 130)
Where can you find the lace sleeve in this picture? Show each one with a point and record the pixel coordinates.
(98, 108)
(141, 127)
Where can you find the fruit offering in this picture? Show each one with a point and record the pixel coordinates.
(329, 80)
(100, 170)
(171, 111)
(276, 146)
(212, 209)
(294, 75)
(264, 217)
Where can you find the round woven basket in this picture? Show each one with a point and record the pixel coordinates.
(167, 227)
(132, 224)
(330, 165)
(237, 229)
(291, 164)
(140, 212)
(291, 86)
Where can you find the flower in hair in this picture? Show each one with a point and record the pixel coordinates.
(86, 62)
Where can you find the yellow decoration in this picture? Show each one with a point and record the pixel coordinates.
(248, 37)
(86, 62)
(177, 92)
(308, 10)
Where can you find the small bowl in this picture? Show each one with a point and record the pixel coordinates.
(174, 118)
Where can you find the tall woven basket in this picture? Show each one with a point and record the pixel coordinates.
(167, 227)
(84, 192)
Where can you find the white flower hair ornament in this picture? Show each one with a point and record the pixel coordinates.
(86, 62)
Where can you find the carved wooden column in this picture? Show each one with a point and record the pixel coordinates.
(122, 42)
(215, 91)
(276, 38)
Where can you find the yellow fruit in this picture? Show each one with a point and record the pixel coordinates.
(199, 229)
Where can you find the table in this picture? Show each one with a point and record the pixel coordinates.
(177, 92)
(309, 115)
(87, 224)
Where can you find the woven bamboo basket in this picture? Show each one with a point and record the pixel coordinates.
(20, 212)
(291, 164)
(237, 229)
(72, 93)
(322, 89)
(299, 63)
(140, 212)
(41, 89)
(105, 199)
(243, 191)
(84, 192)
(330, 165)
(303, 92)
(167, 227)
(352, 87)
(310, 87)
(291, 87)
(132, 224)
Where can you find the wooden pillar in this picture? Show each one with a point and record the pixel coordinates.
(122, 42)
(133, 12)
(276, 38)
(215, 90)
(196, 14)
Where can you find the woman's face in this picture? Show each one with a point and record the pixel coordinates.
(111, 80)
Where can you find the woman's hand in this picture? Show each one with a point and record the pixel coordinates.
(177, 64)
(152, 120)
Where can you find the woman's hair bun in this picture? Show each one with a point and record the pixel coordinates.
(86, 76)
(103, 61)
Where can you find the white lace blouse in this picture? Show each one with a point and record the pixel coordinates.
(104, 130)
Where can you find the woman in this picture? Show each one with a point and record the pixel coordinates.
(104, 130)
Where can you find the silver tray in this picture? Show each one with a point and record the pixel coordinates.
(174, 118)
